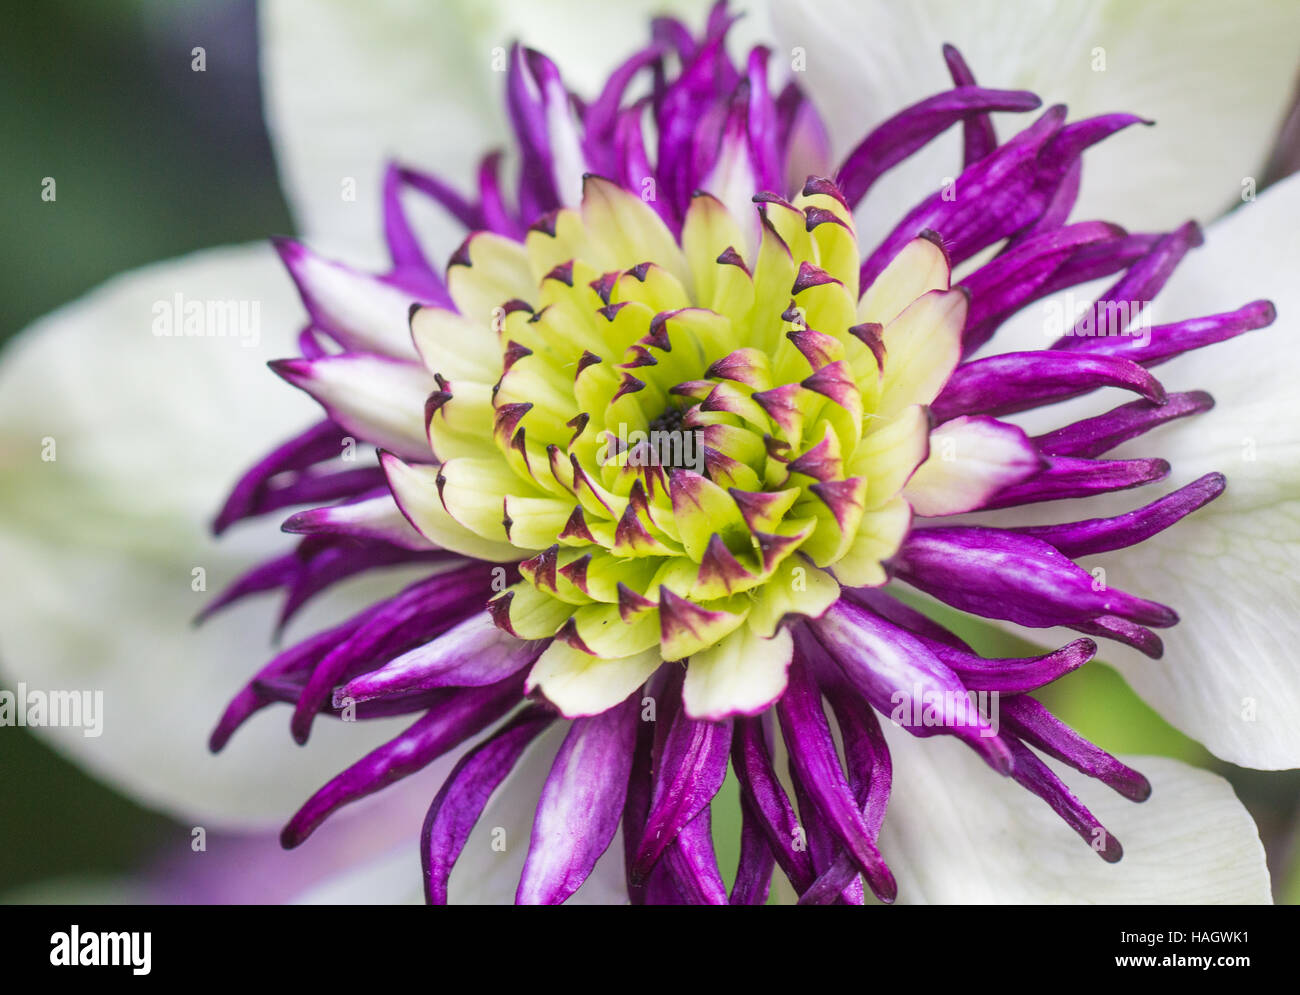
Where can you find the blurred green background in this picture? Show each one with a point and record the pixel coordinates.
(152, 161)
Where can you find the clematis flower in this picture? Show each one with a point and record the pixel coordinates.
(702, 429)
(825, 414)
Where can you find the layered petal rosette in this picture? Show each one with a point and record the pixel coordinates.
(672, 434)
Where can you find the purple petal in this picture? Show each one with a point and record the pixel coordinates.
(1067, 477)
(761, 789)
(465, 714)
(1102, 433)
(754, 870)
(689, 771)
(978, 135)
(463, 796)
(1032, 722)
(424, 609)
(472, 653)
(1018, 275)
(892, 669)
(581, 804)
(691, 861)
(1135, 289)
(1121, 630)
(372, 515)
(1017, 381)
(1161, 343)
(323, 441)
(299, 658)
(999, 574)
(915, 127)
(1100, 535)
(1032, 773)
(1013, 675)
(815, 762)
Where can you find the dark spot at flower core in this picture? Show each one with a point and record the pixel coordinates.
(673, 447)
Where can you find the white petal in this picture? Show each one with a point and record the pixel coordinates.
(970, 460)
(379, 399)
(1215, 116)
(349, 86)
(100, 544)
(741, 675)
(580, 684)
(957, 833)
(393, 878)
(1230, 675)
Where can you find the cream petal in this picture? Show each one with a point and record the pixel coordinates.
(579, 684)
(956, 833)
(1215, 117)
(741, 675)
(349, 86)
(101, 544)
(970, 460)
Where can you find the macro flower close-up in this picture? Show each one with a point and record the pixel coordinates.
(741, 453)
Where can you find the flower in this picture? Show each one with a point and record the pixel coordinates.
(698, 433)
(117, 531)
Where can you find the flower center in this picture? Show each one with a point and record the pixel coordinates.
(690, 433)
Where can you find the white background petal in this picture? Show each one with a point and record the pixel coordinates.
(956, 832)
(1216, 78)
(99, 545)
(1230, 675)
(350, 85)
